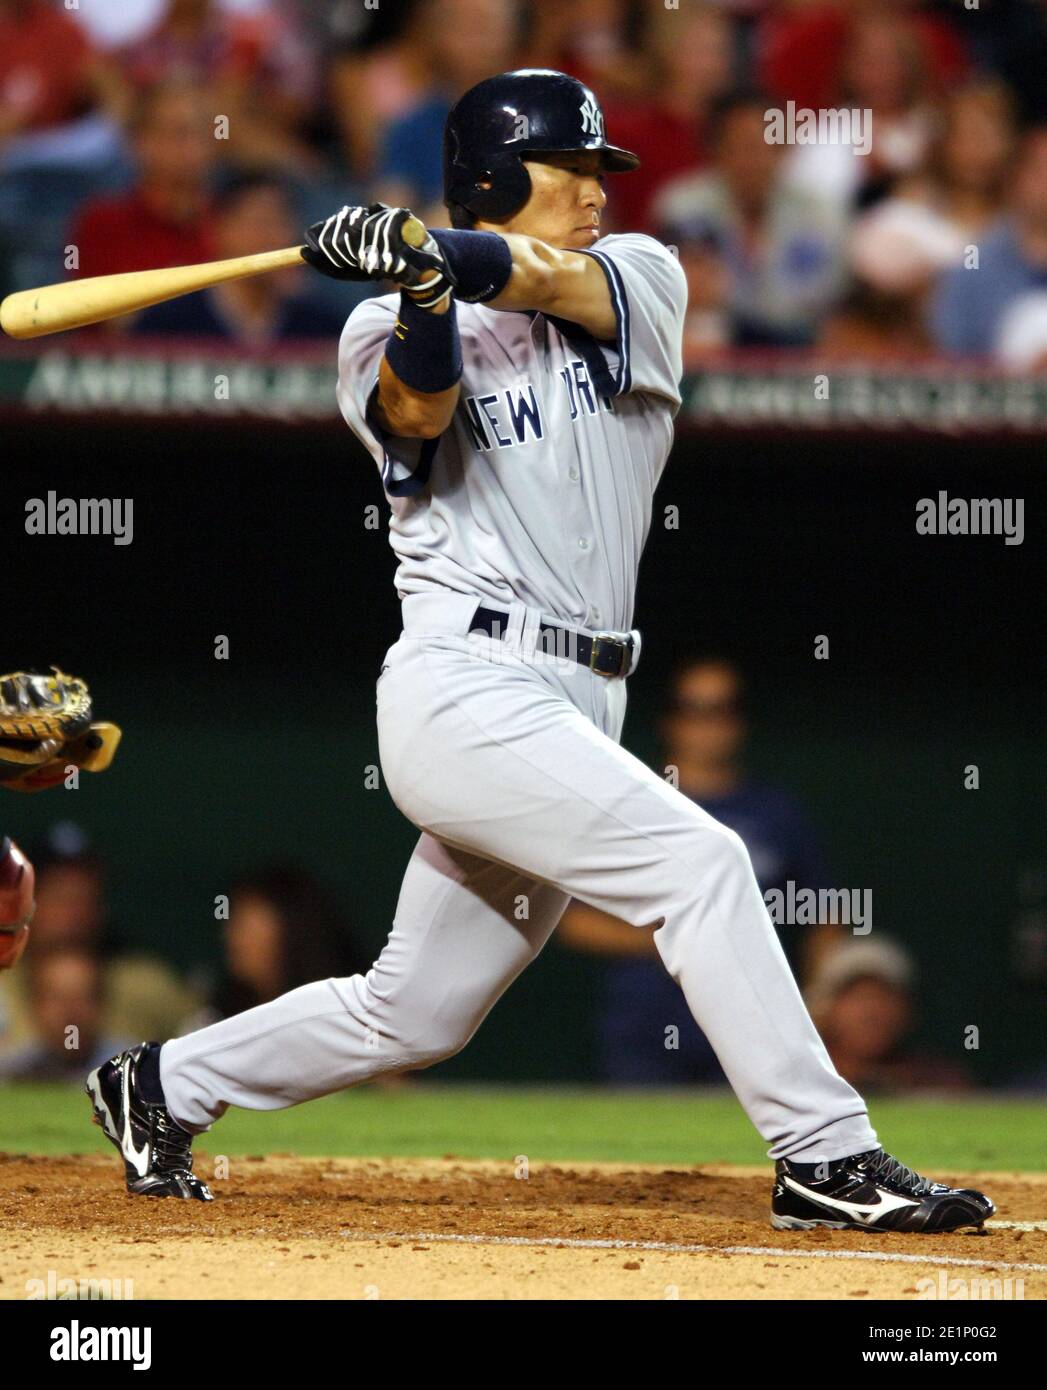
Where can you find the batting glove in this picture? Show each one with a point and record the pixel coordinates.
(359, 243)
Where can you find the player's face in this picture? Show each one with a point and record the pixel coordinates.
(566, 202)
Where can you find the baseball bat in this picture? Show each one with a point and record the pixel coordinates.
(77, 303)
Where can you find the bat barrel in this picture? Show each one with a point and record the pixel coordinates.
(78, 303)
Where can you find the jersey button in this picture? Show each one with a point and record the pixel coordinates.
(573, 474)
(583, 543)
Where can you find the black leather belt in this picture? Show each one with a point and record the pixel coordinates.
(603, 653)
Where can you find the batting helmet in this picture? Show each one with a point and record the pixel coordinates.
(501, 121)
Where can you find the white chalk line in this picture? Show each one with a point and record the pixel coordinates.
(674, 1248)
(1017, 1225)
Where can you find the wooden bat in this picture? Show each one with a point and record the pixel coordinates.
(76, 303)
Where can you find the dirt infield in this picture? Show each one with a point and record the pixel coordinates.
(417, 1229)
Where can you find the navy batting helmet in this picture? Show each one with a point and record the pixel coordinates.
(501, 121)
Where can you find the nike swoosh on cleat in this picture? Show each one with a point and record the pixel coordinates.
(139, 1159)
(858, 1211)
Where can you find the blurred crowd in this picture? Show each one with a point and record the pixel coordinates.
(83, 990)
(139, 133)
(860, 985)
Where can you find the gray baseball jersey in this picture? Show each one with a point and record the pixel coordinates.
(541, 489)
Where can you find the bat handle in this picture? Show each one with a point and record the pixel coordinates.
(414, 232)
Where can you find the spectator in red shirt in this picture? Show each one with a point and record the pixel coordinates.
(692, 58)
(802, 50)
(258, 65)
(593, 40)
(885, 72)
(252, 214)
(47, 68)
(165, 218)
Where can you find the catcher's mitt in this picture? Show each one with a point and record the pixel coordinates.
(46, 728)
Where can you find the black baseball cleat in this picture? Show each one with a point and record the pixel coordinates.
(157, 1152)
(870, 1192)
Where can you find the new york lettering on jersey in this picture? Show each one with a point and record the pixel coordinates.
(503, 419)
(541, 489)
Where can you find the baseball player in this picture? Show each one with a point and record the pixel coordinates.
(517, 393)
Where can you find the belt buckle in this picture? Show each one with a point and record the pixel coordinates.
(623, 654)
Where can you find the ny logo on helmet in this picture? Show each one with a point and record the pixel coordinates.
(592, 118)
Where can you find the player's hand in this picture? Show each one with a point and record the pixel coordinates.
(16, 902)
(358, 243)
